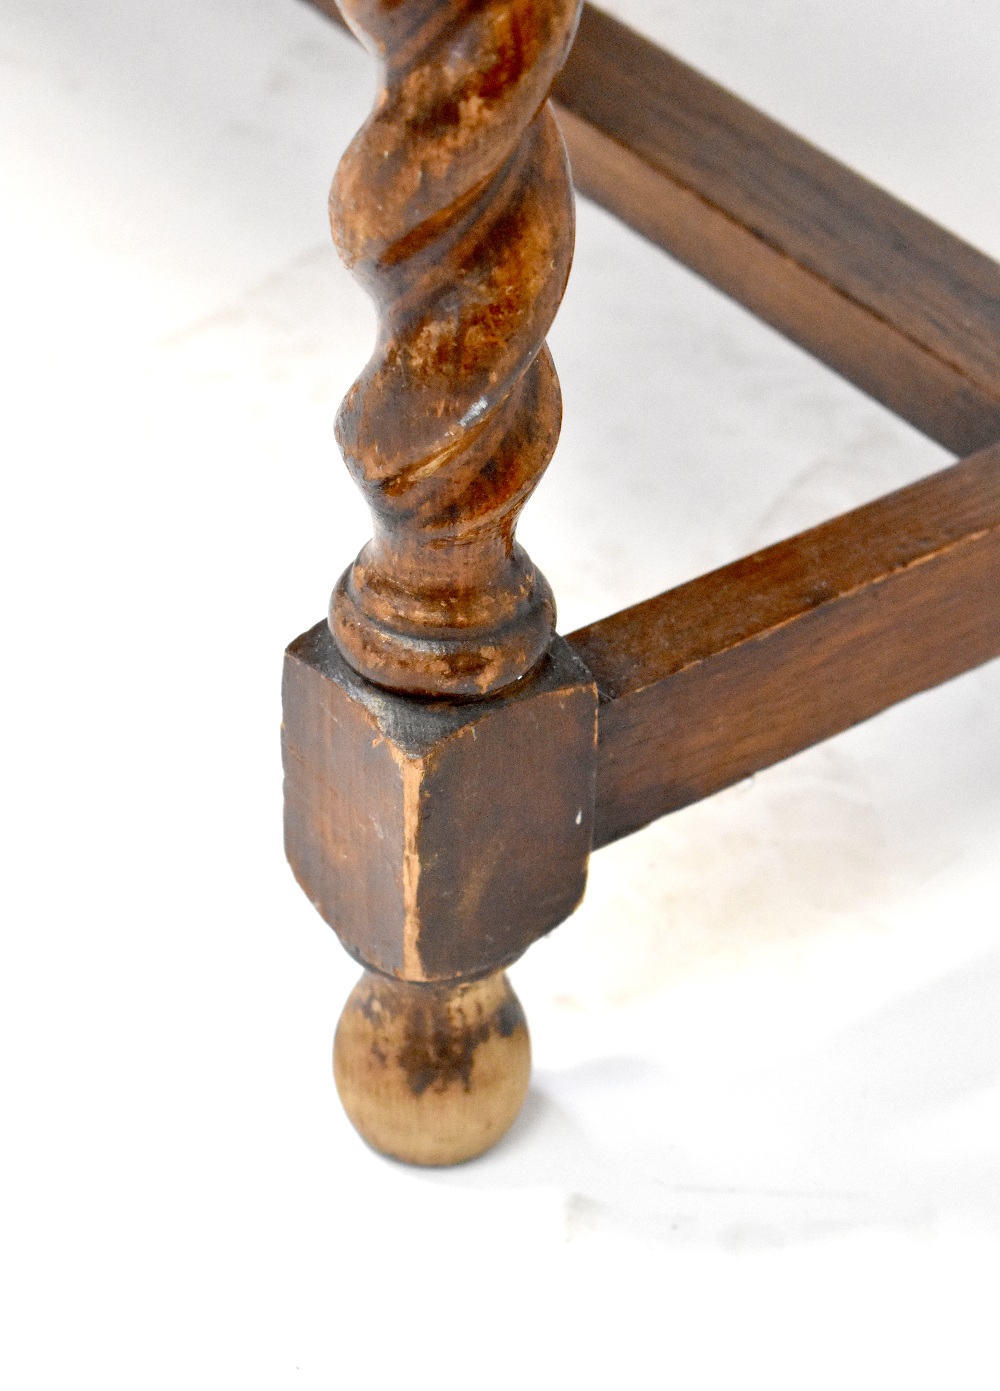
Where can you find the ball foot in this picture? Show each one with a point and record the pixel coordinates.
(432, 1074)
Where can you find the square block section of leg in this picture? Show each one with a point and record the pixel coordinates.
(439, 840)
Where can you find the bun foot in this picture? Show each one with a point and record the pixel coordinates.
(432, 1074)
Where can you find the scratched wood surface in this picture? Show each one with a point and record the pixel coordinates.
(438, 839)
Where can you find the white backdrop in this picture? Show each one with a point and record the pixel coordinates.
(763, 1140)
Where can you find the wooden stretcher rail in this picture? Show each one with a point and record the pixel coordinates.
(891, 301)
(721, 677)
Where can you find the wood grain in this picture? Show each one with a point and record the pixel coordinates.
(432, 1074)
(902, 308)
(438, 839)
(734, 671)
(454, 208)
(894, 303)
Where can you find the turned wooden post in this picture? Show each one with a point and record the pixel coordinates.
(454, 207)
(439, 740)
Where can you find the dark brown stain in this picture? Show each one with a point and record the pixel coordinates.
(436, 1055)
(443, 1026)
(508, 1017)
(431, 1032)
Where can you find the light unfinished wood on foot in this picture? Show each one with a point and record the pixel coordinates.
(432, 1074)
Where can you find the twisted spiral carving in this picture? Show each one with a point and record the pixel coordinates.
(453, 206)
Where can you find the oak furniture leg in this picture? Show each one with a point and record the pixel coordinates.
(443, 788)
(439, 741)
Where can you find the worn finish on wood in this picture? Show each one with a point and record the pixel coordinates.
(893, 302)
(438, 839)
(432, 1074)
(453, 206)
(721, 677)
(441, 838)
(899, 306)
(439, 741)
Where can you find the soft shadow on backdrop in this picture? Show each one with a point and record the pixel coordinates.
(764, 1134)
